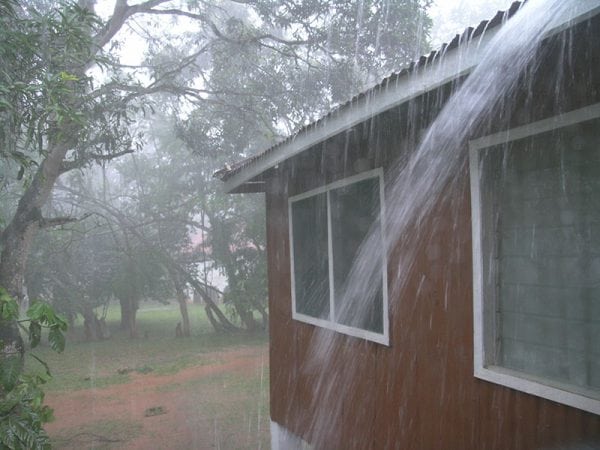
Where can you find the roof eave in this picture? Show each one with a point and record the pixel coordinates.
(452, 65)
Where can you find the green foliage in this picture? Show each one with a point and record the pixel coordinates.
(328, 50)
(92, 262)
(238, 243)
(47, 94)
(22, 409)
(42, 315)
(266, 68)
(37, 90)
(8, 306)
(356, 41)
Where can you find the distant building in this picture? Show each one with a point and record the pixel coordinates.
(480, 328)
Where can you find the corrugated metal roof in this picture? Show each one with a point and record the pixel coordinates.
(468, 35)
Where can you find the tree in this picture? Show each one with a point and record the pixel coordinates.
(361, 41)
(22, 409)
(347, 46)
(88, 264)
(37, 112)
(164, 207)
(136, 236)
(51, 122)
(237, 240)
(57, 117)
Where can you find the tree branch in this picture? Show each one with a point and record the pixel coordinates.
(219, 33)
(51, 222)
(121, 13)
(79, 163)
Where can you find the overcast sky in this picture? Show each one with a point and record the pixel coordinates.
(449, 17)
(453, 16)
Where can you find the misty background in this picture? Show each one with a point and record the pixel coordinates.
(115, 116)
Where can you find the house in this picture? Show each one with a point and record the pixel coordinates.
(434, 249)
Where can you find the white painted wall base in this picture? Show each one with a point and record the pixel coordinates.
(283, 439)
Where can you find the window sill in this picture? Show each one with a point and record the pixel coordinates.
(343, 329)
(541, 387)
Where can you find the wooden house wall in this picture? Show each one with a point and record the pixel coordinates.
(420, 392)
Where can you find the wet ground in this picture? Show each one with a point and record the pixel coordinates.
(220, 405)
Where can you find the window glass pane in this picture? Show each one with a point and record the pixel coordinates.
(311, 263)
(354, 209)
(544, 196)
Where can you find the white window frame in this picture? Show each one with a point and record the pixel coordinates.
(382, 338)
(484, 348)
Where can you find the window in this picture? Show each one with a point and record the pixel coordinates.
(536, 252)
(331, 286)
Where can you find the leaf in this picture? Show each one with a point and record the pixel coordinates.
(65, 76)
(35, 310)
(9, 309)
(43, 363)
(7, 405)
(7, 435)
(46, 414)
(56, 339)
(24, 432)
(60, 322)
(10, 369)
(36, 394)
(42, 312)
(35, 333)
(6, 105)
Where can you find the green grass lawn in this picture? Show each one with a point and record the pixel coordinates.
(236, 402)
(96, 364)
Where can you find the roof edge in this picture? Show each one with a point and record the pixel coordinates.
(454, 60)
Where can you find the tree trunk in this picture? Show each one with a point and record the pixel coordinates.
(220, 322)
(18, 235)
(182, 300)
(130, 302)
(242, 309)
(16, 242)
(12, 346)
(127, 310)
(90, 325)
(16, 238)
(129, 307)
(13, 260)
(185, 318)
(264, 314)
(247, 317)
(132, 322)
(95, 329)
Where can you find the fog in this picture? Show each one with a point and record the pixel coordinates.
(142, 286)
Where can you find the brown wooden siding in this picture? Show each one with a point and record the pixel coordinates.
(420, 392)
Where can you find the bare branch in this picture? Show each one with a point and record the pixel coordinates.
(99, 157)
(219, 34)
(80, 162)
(120, 14)
(51, 222)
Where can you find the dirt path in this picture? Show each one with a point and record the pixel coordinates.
(203, 407)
